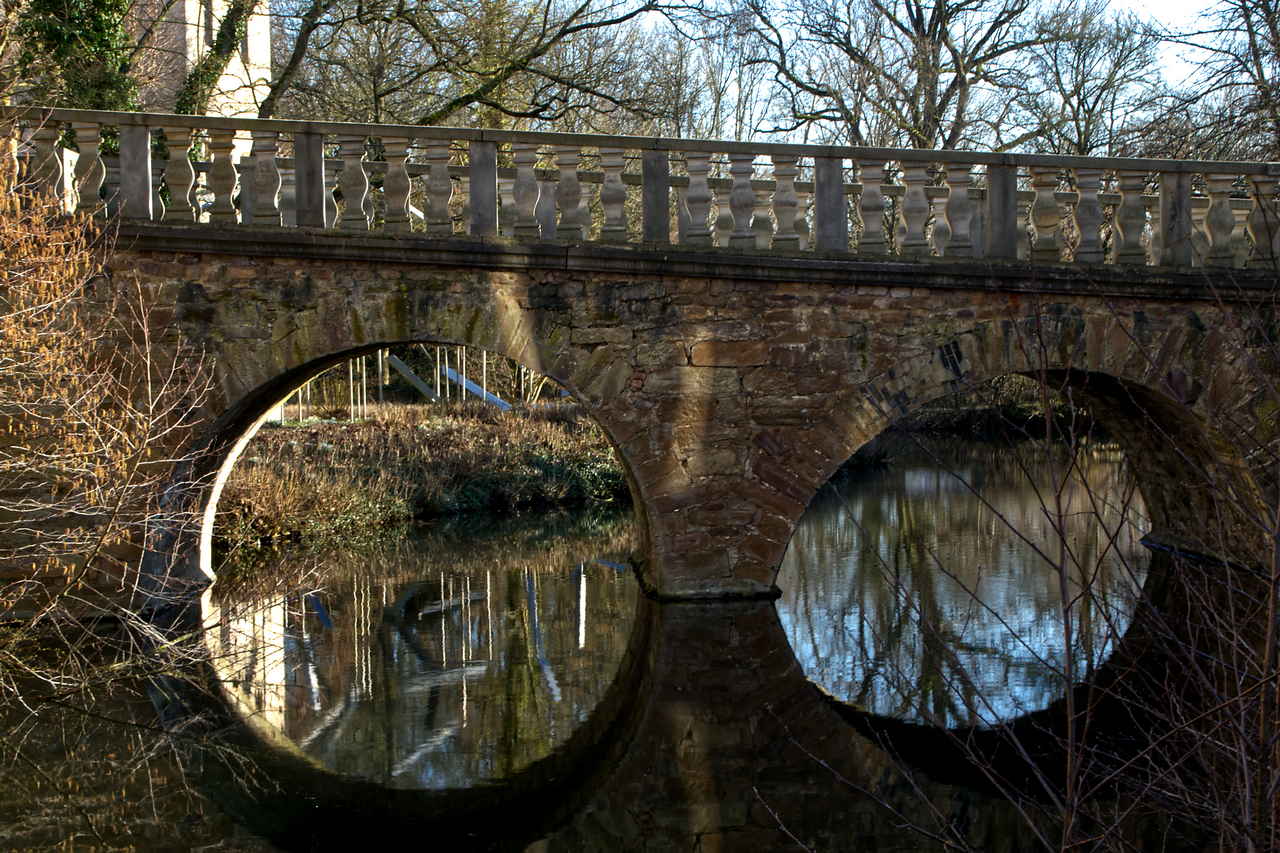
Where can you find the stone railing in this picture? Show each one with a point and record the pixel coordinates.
(881, 204)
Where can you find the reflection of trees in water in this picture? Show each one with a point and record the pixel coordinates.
(451, 657)
(936, 593)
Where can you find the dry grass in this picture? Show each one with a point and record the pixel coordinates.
(326, 479)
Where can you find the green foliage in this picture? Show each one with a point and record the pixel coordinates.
(76, 53)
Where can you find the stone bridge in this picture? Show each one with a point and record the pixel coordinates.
(739, 318)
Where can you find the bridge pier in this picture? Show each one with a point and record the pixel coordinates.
(731, 388)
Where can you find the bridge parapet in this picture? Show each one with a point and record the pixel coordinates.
(871, 203)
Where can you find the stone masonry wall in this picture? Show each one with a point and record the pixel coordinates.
(730, 392)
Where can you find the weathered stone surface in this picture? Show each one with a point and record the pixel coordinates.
(730, 353)
(731, 393)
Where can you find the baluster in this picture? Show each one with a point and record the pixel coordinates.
(871, 208)
(938, 197)
(1175, 219)
(801, 222)
(179, 175)
(958, 210)
(439, 188)
(584, 216)
(912, 240)
(742, 201)
(289, 194)
(613, 196)
(331, 172)
(1219, 220)
(698, 198)
(507, 211)
(266, 178)
(90, 170)
(47, 172)
(568, 191)
(221, 177)
(396, 185)
(546, 210)
(1264, 223)
(1130, 219)
(785, 202)
(1046, 216)
(1155, 249)
(724, 217)
(526, 189)
(761, 222)
(1025, 199)
(157, 181)
(1089, 216)
(353, 182)
(1240, 247)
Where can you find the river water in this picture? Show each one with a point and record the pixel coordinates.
(504, 686)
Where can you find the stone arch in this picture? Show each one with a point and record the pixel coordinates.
(323, 326)
(1179, 399)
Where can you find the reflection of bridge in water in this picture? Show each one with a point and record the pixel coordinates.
(734, 371)
(701, 727)
(721, 742)
(420, 671)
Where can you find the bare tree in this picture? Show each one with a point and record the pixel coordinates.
(1090, 86)
(487, 62)
(888, 72)
(1235, 96)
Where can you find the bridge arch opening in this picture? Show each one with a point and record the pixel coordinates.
(923, 584)
(181, 555)
(1179, 485)
(598, 595)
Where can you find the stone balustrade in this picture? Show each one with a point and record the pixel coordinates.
(878, 204)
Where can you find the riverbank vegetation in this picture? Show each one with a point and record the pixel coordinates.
(91, 413)
(320, 479)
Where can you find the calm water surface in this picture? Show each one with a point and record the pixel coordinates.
(464, 654)
(457, 656)
(958, 547)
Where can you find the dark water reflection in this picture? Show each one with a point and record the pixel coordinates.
(505, 687)
(929, 589)
(448, 659)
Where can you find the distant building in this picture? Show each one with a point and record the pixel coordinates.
(184, 30)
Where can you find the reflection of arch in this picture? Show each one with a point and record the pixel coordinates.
(1169, 398)
(749, 755)
(304, 806)
(741, 752)
(1027, 754)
